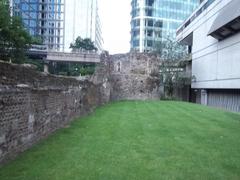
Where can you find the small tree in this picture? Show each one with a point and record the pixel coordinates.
(170, 50)
(173, 61)
(4, 29)
(83, 44)
(76, 69)
(37, 40)
(20, 41)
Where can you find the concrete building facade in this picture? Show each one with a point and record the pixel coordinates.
(82, 19)
(212, 34)
(155, 20)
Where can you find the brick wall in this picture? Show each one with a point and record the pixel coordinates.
(33, 105)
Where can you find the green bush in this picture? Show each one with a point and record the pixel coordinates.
(71, 69)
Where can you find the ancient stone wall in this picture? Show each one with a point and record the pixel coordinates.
(132, 77)
(33, 105)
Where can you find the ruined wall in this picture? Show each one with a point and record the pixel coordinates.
(33, 105)
(132, 77)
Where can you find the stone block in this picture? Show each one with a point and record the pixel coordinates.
(2, 139)
(33, 105)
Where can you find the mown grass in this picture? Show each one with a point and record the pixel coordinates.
(137, 140)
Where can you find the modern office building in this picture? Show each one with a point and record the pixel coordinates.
(212, 33)
(42, 18)
(155, 20)
(82, 19)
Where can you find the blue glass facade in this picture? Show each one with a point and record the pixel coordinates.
(28, 12)
(43, 18)
(155, 20)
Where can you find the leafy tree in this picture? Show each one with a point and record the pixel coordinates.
(4, 28)
(172, 69)
(20, 41)
(76, 69)
(170, 50)
(72, 69)
(83, 44)
(37, 40)
(14, 39)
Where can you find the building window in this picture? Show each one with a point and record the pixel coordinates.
(135, 43)
(149, 2)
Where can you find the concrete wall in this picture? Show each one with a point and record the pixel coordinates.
(215, 64)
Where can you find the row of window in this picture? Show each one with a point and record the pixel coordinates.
(147, 43)
(170, 3)
(41, 18)
(150, 34)
(163, 13)
(156, 24)
(148, 22)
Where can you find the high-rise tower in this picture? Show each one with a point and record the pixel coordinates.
(155, 20)
(43, 19)
(82, 19)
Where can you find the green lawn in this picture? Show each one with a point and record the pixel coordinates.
(137, 140)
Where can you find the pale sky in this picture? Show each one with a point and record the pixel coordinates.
(115, 17)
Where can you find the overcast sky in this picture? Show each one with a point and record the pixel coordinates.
(115, 17)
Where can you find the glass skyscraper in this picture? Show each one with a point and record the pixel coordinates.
(155, 20)
(82, 17)
(42, 18)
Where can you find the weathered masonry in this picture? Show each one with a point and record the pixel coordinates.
(33, 104)
(132, 77)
